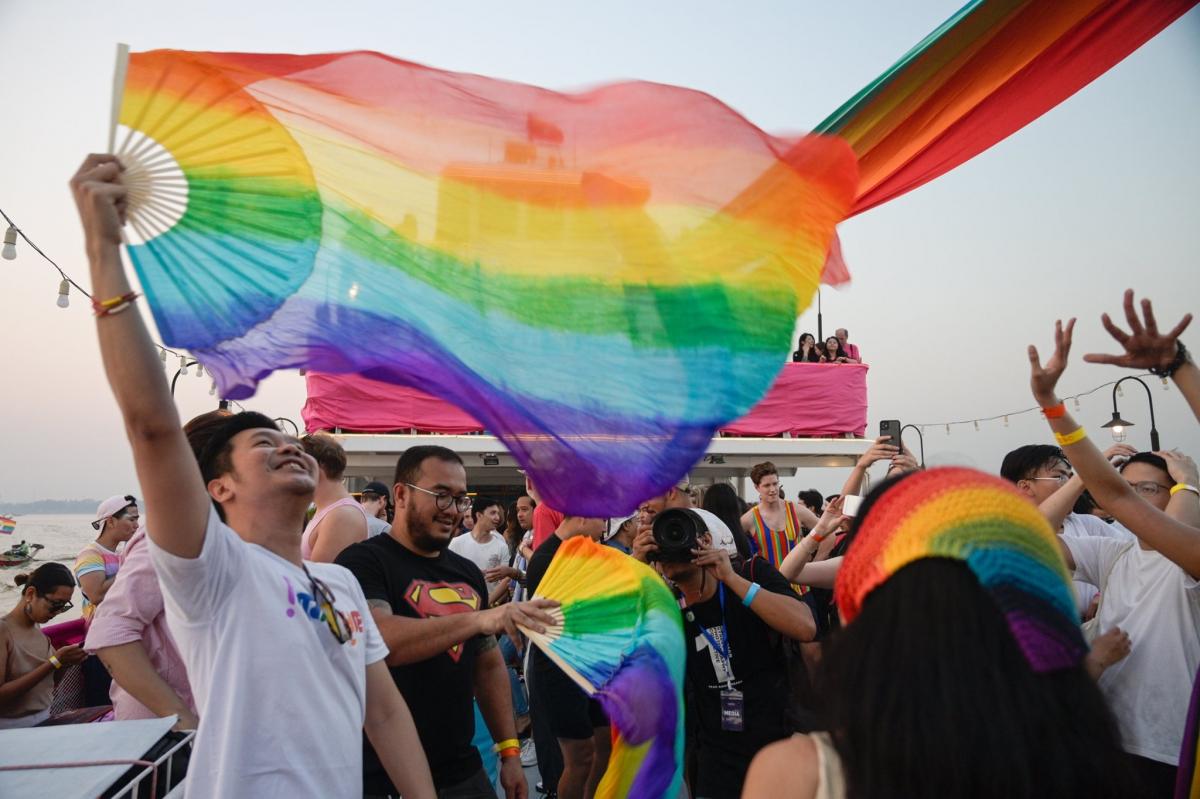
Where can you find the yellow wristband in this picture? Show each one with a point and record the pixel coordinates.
(1175, 489)
(1070, 438)
(55, 662)
(508, 743)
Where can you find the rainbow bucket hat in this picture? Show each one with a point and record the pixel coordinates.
(983, 521)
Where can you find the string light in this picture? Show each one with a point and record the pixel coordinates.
(9, 252)
(1004, 416)
(199, 369)
(212, 392)
(183, 362)
(64, 289)
(1120, 392)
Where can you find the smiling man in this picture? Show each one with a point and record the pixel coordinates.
(431, 606)
(284, 660)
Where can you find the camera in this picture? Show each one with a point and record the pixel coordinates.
(677, 532)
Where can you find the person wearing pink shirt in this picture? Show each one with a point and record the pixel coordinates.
(129, 634)
(851, 350)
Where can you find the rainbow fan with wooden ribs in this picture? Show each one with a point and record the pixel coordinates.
(620, 637)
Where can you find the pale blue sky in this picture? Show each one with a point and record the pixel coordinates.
(951, 281)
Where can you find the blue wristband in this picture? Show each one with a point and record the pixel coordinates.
(753, 592)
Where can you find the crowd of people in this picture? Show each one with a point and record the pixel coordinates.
(924, 638)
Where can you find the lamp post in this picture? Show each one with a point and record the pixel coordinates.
(820, 336)
(920, 437)
(295, 427)
(1118, 425)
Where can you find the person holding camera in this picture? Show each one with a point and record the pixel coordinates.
(736, 670)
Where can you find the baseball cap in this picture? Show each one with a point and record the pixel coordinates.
(376, 487)
(112, 506)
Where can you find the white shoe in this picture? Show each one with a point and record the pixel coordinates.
(528, 753)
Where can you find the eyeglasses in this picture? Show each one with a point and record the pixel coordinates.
(59, 605)
(444, 501)
(1061, 479)
(1149, 488)
(337, 622)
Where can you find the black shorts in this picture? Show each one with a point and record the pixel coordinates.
(572, 713)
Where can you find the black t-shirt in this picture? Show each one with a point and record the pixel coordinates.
(759, 671)
(439, 691)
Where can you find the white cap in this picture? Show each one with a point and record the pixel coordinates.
(112, 506)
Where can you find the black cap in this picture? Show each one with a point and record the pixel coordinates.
(376, 487)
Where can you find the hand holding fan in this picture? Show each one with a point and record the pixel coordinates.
(620, 637)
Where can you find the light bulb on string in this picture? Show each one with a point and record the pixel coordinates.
(162, 354)
(183, 365)
(1120, 392)
(976, 425)
(947, 429)
(1077, 406)
(1166, 384)
(9, 252)
(1006, 421)
(212, 392)
(64, 288)
(199, 370)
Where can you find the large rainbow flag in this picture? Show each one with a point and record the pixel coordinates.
(601, 278)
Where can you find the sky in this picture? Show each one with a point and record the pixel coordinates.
(951, 281)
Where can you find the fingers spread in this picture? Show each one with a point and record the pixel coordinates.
(1135, 324)
(1182, 326)
(1099, 357)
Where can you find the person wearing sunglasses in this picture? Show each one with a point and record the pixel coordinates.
(431, 605)
(29, 663)
(285, 663)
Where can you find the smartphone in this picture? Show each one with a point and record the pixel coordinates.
(891, 429)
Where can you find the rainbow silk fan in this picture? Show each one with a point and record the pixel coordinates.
(602, 279)
(620, 638)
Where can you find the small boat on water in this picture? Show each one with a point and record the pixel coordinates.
(19, 553)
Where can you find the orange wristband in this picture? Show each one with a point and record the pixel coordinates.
(1055, 411)
(511, 751)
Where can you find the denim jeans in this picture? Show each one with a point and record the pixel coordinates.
(509, 651)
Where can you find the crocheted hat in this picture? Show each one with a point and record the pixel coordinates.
(987, 524)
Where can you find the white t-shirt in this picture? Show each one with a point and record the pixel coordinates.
(376, 526)
(1158, 605)
(1085, 525)
(281, 702)
(491, 553)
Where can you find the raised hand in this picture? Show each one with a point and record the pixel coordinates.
(101, 199)
(1145, 347)
(532, 615)
(1181, 467)
(881, 450)
(1043, 379)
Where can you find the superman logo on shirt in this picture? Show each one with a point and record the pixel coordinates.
(431, 599)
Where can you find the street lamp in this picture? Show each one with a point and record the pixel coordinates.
(1118, 425)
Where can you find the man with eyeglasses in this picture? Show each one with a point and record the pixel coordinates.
(431, 607)
(284, 661)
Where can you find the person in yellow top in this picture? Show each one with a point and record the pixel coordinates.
(28, 661)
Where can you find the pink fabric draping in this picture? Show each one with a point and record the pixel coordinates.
(810, 399)
(65, 633)
(807, 399)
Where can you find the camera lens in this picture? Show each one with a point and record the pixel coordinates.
(676, 532)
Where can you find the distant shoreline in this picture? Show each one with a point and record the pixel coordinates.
(48, 506)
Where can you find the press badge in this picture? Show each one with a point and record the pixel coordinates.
(733, 710)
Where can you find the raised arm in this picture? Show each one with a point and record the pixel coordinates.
(1176, 540)
(1146, 348)
(177, 503)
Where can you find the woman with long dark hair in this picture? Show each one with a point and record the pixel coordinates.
(28, 661)
(806, 350)
(832, 352)
(959, 671)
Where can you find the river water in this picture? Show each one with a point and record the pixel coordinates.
(61, 535)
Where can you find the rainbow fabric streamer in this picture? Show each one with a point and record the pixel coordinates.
(984, 522)
(602, 278)
(7, 525)
(988, 71)
(621, 639)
